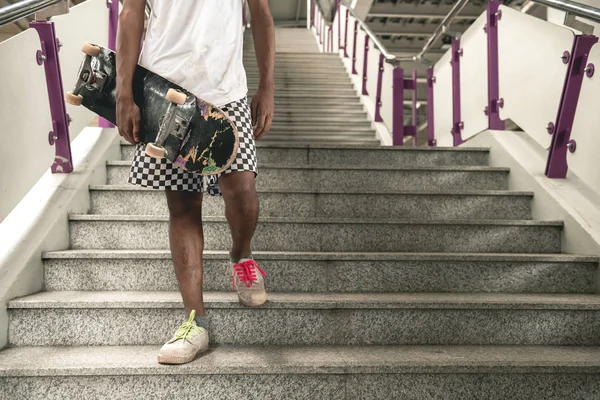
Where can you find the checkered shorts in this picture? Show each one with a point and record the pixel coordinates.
(156, 173)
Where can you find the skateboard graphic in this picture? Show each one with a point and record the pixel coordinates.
(174, 124)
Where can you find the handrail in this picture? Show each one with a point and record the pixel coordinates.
(16, 11)
(572, 7)
(389, 57)
(442, 28)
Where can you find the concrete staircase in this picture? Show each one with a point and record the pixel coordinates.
(394, 274)
(315, 101)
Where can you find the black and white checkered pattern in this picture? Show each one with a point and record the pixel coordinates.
(156, 173)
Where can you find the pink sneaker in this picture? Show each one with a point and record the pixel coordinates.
(249, 284)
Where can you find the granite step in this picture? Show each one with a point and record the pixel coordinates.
(313, 80)
(300, 372)
(327, 141)
(319, 130)
(324, 97)
(277, 176)
(307, 112)
(433, 205)
(329, 235)
(318, 91)
(370, 156)
(361, 135)
(110, 318)
(307, 119)
(292, 84)
(152, 270)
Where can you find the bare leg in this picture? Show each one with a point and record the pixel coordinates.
(187, 242)
(241, 209)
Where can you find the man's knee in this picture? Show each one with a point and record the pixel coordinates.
(184, 204)
(238, 186)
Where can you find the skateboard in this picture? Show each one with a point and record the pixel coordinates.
(174, 124)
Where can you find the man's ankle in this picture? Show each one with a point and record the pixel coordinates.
(235, 259)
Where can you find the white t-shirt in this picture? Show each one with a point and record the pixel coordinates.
(198, 45)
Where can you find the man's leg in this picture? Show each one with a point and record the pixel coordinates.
(187, 242)
(241, 209)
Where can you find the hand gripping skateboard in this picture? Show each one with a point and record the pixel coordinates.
(174, 124)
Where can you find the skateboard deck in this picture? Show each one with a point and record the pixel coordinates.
(174, 124)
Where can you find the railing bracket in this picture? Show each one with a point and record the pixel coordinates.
(566, 57)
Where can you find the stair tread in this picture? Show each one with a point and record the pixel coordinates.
(360, 147)
(141, 360)
(300, 300)
(283, 255)
(465, 192)
(451, 168)
(305, 220)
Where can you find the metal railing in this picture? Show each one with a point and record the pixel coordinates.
(22, 9)
(441, 29)
(389, 57)
(572, 7)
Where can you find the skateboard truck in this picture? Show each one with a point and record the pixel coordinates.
(88, 76)
(171, 124)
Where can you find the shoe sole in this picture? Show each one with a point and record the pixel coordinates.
(254, 304)
(171, 360)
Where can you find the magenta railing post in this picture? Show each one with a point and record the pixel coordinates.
(414, 106)
(322, 28)
(339, 18)
(430, 116)
(398, 104)
(411, 84)
(59, 136)
(379, 85)
(354, 71)
(312, 12)
(330, 41)
(560, 130)
(457, 124)
(365, 66)
(113, 21)
(346, 34)
(493, 109)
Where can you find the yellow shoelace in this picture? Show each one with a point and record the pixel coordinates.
(188, 328)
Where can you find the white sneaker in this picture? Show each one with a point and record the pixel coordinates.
(189, 341)
(249, 284)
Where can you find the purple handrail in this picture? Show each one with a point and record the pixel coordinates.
(59, 137)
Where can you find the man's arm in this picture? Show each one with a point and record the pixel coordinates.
(129, 37)
(263, 31)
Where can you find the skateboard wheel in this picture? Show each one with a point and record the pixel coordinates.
(155, 151)
(90, 49)
(73, 99)
(175, 96)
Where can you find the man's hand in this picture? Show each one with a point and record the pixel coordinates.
(263, 31)
(128, 119)
(129, 36)
(262, 107)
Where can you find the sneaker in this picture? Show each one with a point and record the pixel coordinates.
(249, 284)
(189, 341)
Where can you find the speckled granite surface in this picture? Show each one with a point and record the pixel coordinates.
(288, 319)
(141, 232)
(126, 200)
(423, 372)
(390, 156)
(438, 178)
(363, 275)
